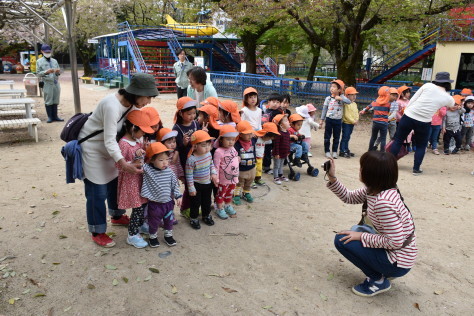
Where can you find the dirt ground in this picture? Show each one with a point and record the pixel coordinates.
(277, 257)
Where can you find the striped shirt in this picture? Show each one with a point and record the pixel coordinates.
(199, 169)
(381, 112)
(159, 185)
(390, 218)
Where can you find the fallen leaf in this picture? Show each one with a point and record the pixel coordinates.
(110, 267)
(11, 301)
(6, 258)
(114, 282)
(98, 254)
(141, 261)
(55, 213)
(417, 306)
(67, 309)
(66, 206)
(43, 261)
(39, 295)
(32, 206)
(62, 236)
(148, 278)
(330, 276)
(56, 263)
(221, 275)
(323, 297)
(111, 234)
(26, 291)
(90, 286)
(125, 279)
(206, 295)
(229, 290)
(138, 279)
(154, 270)
(438, 292)
(174, 290)
(55, 194)
(267, 307)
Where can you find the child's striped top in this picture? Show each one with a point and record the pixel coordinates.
(199, 169)
(381, 112)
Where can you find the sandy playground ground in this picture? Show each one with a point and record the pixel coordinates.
(277, 257)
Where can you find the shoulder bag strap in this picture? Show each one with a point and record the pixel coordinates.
(364, 213)
(101, 130)
(410, 237)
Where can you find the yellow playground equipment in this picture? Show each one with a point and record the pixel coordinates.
(191, 29)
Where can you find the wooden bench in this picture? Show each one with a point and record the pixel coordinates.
(31, 123)
(7, 83)
(16, 113)
(99, 81)
(86, 79)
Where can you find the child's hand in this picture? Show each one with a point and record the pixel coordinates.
(355, 123)
(186, 139)
(215, 180)
(362, 112)
(321, 123)
(276, 156)
(178, 201)
(192, 193)
(204, 127)
(338, 98)
(140, 152)
(294, 137)
(443, 130)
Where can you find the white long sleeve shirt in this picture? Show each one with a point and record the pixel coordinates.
(426, 101)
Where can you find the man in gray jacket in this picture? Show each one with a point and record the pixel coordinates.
(180, 69)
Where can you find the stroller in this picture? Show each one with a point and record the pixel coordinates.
(292, 162)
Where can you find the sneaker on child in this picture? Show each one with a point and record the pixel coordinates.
(208, 220)
(277, 181)
(236, 200)
(370, 287)
(136, 241)
(195, 223)
(221, 214)
(230, 210)
(154, 242)
(248, 197)
(169, 240)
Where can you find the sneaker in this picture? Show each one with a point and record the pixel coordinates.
(186, 213)
(248, 197)
(342, 154)
(124, 220)
(297, 162)
(283, 178)
(195, 223)
(236, 200)
(435, 151)
(103, 240)
(277, 181)
(253, 185)
(136, 241)
(351, 154)
(370, 288)
(154, 242)
(446, 152)
(208, 220)
(455, 151)
(334, 155)
(230, 210)
(328, 155)
(310, 155)
(222, 214)
(169, 240)
(259, 182)
(417, 172)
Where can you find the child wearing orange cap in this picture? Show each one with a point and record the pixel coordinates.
(207, 119)
(200, 175)
(467, 130)
(245, 147)
(226, 161)
(466, 92)
(452, 125)
(308, 112)
(228, 113)
(129, 185)
(350, 118)
(381, 108)
(160, 186)
(404, 94)
(281, 148)
(250, 111)
(265, 136)
(297, 145)
(167, 137)
(155, 122)
(392, 116)
(332, 116)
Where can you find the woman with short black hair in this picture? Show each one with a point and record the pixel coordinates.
(386, 248)
(200, 88)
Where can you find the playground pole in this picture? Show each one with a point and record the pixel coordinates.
(72, 55)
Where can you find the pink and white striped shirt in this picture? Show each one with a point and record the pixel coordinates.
(390, 218)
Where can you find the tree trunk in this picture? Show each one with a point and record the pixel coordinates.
(347, 71)
(87, 66)
(316, 51)
(250, 46)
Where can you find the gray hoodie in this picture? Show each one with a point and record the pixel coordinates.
(452, 120)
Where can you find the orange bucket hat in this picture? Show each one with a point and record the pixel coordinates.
(231, 107)
(384, 95)
(226, 131)
(458, 98)
(155, 149)
(200, 136)
(394, 90)
(249, 90)
(268, 128)
(340, 83)
(183, 104)
(402, 88)
(244, 127)
(295, 118)
(140, 119)
(211, 110)
(152, 114)
(350, 90)
(466, 92)
(278, 118)
(165, 133)
(211, 100)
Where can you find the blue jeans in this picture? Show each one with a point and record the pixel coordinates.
(433, 135)
(346, 136)
(422, 129)
(333, 127)
(378, 127)
(299, 149)
(96, 194)
(373, 262)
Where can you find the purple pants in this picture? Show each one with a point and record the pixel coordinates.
(160, 211)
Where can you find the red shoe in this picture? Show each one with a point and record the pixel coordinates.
(122, 221)
(103, 240)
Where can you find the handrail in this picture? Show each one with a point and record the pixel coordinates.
(133, 48)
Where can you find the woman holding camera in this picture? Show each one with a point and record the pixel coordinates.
(387, 249)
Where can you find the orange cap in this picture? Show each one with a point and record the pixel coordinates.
(165, 133)
(384, 95)
(393, 90)
(295, 118)
(211, 110)
(402, 88)
(211, 100)
(155, 149)
(141, 120)
(200, 136)
(340, 83)
(184, 103)
(268, 128)
(228, 131)
(249, 90)
(466, 92)
(350, 90)
(458, 98)
(232, 108)
(152, 115)
(244, 127)
(278, 118)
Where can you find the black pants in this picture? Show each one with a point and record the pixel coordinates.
(181, 92)
(136, 220)
(447, 138)
(202, 199)
(267, 157)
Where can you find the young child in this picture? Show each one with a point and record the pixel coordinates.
(250, 111)
(129, 185)
(468, 127)
(207, 119)
(226, 161)
(404, 94)
(332, 116)
(285, 104)
(228, 113)
(160, 186)
(381, 108)
(273, 109)
(392, 116)
(167, 137)
(296, 140)
(452, 125)
(245, 147)
(466, 92)
(281, 148)
(265, 135)
(435, 129)
(350, 118)
(308, 112)
(200, 176)
(155, 121)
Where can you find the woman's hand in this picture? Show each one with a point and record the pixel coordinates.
(350, 236)
(130, 167)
